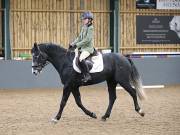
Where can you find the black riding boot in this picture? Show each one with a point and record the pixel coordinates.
(85, 71)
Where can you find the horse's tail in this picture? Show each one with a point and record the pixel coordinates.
(136, 81)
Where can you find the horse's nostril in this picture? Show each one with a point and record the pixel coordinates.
(35, 72)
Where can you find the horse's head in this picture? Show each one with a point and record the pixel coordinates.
(39, 59)
(175, 24)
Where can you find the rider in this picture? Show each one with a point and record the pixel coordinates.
(84, 42)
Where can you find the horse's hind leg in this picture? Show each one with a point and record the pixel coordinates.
(77, 97)
(112, 98)
(132, 92)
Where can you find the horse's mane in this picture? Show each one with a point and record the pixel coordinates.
(52, 47)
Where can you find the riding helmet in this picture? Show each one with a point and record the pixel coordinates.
(87, 15)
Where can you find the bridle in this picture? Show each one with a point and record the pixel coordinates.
(42, 59)
(40, 65)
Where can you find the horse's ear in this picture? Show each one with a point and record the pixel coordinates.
(36, 46)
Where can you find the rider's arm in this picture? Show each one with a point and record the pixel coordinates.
(76, 40)
(87, 39)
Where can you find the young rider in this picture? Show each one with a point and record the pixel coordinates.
(84, 42)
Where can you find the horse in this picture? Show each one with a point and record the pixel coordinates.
(118, 69)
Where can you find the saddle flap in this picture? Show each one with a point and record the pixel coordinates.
(95, 63)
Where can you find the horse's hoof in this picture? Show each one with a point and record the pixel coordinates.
(54, 120)
(103, 118)
(141, 113)
(93, 115)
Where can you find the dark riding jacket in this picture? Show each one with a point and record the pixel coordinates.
(84, 41)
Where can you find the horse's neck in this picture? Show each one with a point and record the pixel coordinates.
(57, 59)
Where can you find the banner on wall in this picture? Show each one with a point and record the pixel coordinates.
(168, 4)
(145, 4)
(157, 29)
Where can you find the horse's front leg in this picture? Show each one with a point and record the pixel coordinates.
(66, 93)
(77, 98)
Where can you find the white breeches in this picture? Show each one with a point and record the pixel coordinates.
(83, 55)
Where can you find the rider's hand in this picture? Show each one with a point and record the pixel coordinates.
(72, 45)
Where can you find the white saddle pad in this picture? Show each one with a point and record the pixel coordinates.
(98, 65)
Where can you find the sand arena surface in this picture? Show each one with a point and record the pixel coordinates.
(28, 112)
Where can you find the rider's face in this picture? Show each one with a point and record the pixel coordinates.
(85, 21)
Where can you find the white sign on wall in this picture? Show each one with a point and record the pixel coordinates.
(168, 4)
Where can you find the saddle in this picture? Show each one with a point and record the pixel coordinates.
(94, 62)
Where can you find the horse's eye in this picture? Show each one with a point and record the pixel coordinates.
(35, 57)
